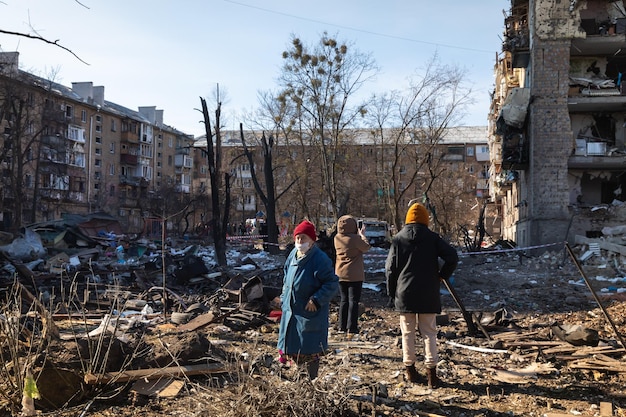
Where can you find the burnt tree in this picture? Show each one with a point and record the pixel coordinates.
(214, 159)
(269, 196)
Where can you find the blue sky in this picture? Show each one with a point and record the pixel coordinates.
(168, 54)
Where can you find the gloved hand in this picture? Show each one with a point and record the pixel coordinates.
(391, 303)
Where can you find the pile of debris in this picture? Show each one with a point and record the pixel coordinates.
(109, 314)
(89, 306)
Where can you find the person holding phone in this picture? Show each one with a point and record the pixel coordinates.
(350, 245)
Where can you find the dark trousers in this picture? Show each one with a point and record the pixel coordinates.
(349, 306)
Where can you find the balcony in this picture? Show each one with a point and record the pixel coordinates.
(53, 140)
(128, 159)
(183, 188)
(129, 137)
(51, 194)
(129, 180)
(54, 115)
(77, 197)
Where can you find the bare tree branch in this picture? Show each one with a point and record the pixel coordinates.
(42, 39)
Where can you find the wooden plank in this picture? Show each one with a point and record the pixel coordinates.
(606, 409)
(596, 366)
(162, 388)
(537, 343)
(563, 415)
(197, 322)
(172, 371)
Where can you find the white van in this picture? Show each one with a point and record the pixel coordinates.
(376, 231)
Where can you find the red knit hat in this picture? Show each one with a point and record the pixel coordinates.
(307, 228)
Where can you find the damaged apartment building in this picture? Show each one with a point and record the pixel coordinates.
(557, 123)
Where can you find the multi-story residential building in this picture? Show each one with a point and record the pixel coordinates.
(557, 135)
(463, 152)
(68, 150)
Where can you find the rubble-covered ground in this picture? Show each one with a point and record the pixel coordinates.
(545, 344)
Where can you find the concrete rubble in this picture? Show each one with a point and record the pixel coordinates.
(95, 308)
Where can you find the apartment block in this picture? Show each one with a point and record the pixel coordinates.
(366, 167)
(557, 121)
(68, 150)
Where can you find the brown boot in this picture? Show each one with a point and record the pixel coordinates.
(433, 379)
(410, 373)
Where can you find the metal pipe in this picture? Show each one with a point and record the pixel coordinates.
(595, 296)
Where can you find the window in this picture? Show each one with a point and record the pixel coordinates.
(98, 162)
(75, 133)
(470, 151)
(113, 125)
(28, 181)
(98, 128)
(112, 148)
(159, 155)
(83, 116)
(98, 151)
(96, 175)
(98, 139)
(69, 112)
(169, 160)
(170, 142)
(98, 118)
(111, 169)
(159, 164)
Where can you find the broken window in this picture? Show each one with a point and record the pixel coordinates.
(601, 188)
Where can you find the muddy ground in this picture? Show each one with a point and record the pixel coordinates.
(514, 365)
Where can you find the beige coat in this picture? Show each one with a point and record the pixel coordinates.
(350, 246)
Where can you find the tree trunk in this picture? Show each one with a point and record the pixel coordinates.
(214, 161)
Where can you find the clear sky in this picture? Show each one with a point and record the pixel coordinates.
(168, 53)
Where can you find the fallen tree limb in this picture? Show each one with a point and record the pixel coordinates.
(172, 371)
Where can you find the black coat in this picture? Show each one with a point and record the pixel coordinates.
(412, 269)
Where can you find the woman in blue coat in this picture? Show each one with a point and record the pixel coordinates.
(308, 286)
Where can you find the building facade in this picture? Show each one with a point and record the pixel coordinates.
(367, 167)
(68, 150)
(557, 120)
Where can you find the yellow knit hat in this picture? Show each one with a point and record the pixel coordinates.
(417, 214)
